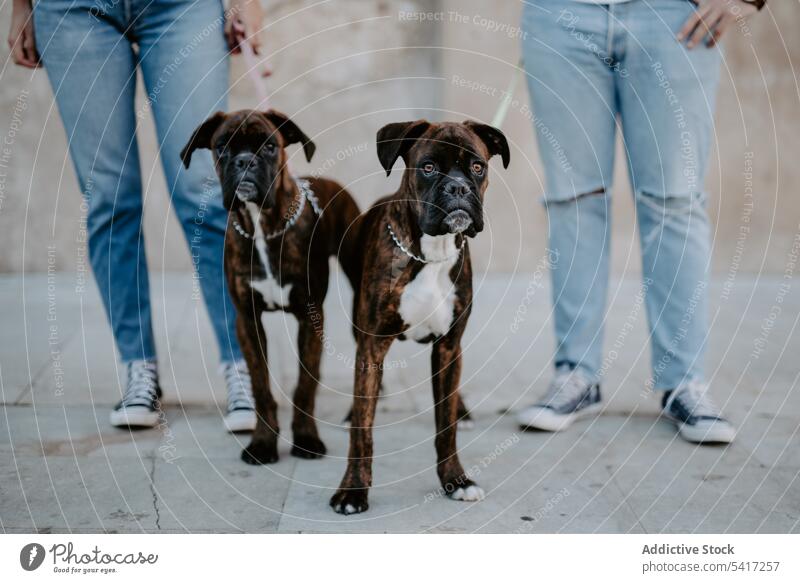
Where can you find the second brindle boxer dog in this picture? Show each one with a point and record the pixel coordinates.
(416, 282)
(281, 233)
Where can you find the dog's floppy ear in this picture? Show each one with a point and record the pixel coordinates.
(494, 139)
(290, 132)
(201, 138)
(396, 139)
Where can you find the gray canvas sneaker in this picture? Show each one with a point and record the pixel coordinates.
(698, 419)
(241, 410)
(570, 396)
(140, 405)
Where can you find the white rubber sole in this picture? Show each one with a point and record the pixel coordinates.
(706, 432)
(545, 419)
(134, 417)
(239, 421)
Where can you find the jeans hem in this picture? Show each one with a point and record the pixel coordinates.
(127, 360)
(685, 379)
(590, 374)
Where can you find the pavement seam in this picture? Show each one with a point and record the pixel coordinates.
(153, 490)
(41, 370)
(626, 501)
(278, 527)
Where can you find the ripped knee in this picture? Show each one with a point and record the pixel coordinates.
(574, 197)
(596, 192)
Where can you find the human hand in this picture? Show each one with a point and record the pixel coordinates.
(712, 18)
(243, 22)
(21, 40)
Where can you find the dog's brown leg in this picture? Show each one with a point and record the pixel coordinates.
(351, 497)
(307, 443)
(445, 377)
(263, 448)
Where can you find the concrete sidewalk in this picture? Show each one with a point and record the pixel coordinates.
(64, 469)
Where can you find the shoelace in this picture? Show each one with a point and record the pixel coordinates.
(694, 398)
(142, 387)
(240, 390)
(566, 387)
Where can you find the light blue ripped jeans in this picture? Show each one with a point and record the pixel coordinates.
(589, 66)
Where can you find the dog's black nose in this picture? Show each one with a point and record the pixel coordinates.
(244, 161)
(457, 188)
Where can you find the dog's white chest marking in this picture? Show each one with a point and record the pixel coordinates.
(274, 295)
(426, 303)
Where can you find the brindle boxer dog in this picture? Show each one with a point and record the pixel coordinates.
(281, 232)
(416, 283)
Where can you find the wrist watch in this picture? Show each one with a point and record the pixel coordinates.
(759, 4)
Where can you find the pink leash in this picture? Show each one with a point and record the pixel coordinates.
(257, 74)
(251, 61)
(253, 67)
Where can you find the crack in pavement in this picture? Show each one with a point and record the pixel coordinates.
(153, 491)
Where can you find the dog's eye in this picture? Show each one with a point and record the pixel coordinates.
(270, 148)
(220, 149)
(477, 168)
(428, 168)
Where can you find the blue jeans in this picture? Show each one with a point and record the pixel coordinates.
(588, 66)
(91, 50)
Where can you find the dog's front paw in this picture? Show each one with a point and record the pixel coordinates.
(308, 447)
(260, 452)
(465, 490)
(350, 501)
(472, 493)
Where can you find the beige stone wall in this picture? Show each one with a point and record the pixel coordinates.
(357, 64)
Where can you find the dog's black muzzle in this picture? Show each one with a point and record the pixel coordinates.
(459, 208)
(247, 180)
